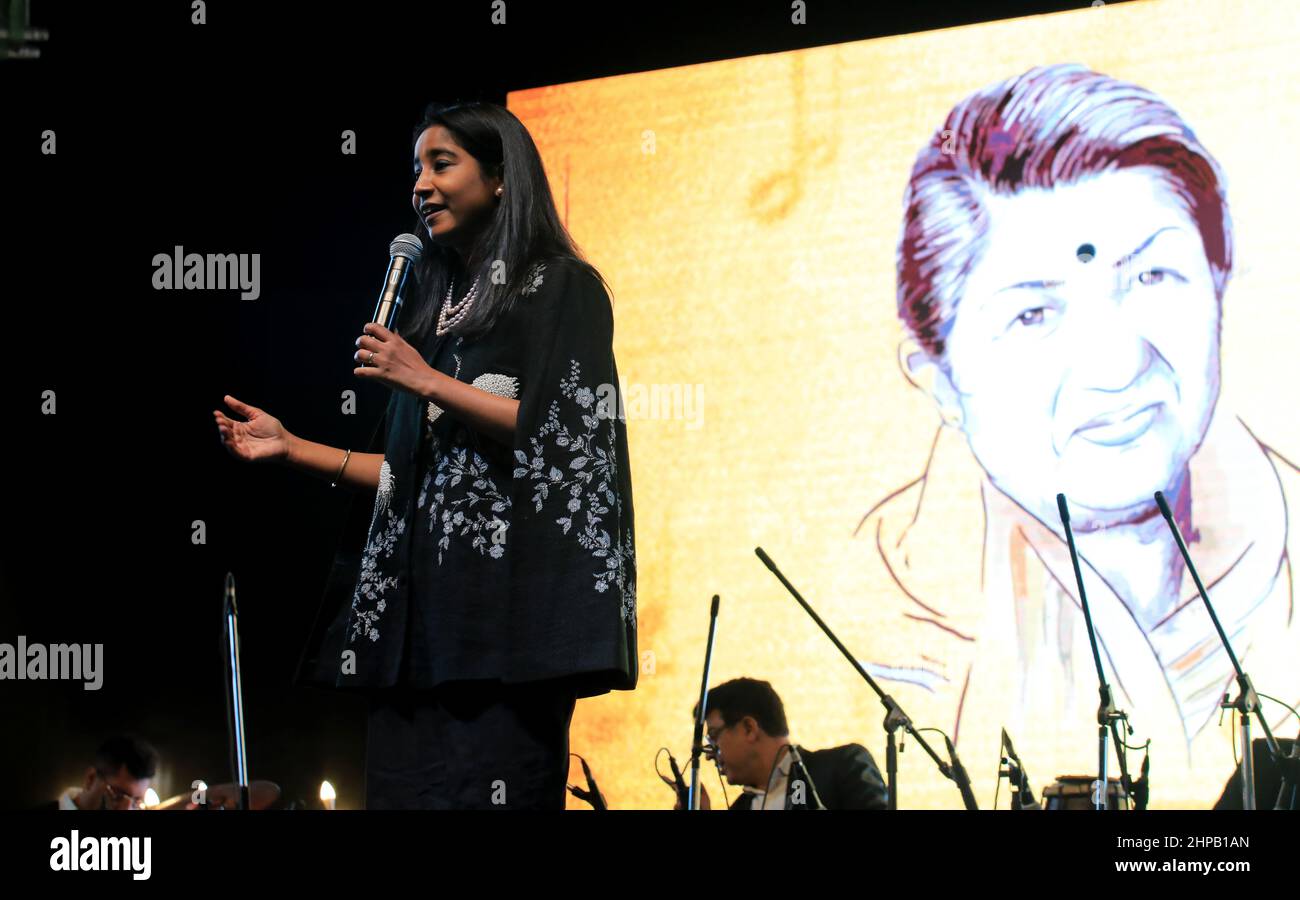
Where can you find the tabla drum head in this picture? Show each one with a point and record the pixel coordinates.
(1076, 792)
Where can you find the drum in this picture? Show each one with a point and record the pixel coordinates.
(1075, 792)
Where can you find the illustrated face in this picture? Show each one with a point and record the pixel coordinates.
(451, 182)
(1097, 379)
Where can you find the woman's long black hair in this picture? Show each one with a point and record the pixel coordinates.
(524, 229)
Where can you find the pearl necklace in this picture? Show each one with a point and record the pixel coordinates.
(451, 314)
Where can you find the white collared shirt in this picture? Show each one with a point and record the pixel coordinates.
(67, 798)
(774, 797)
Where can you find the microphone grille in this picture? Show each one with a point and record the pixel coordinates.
(406, 245)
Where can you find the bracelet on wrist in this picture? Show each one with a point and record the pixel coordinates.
(346, 457)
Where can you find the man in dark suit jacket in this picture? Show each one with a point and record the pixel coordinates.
(749, 739)
(843, 777)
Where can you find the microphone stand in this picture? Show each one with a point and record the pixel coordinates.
(234, 692)
(1247, 701)
(697, 740)
(1108, 717)
(895, 718)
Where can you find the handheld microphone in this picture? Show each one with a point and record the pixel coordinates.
(404, 253)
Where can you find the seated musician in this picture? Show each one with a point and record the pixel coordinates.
(123, 768)
(749, 740)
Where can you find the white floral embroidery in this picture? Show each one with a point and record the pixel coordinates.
(533, 279)
(590, 476)
(466, 515)
(371, 585)
(628, 585)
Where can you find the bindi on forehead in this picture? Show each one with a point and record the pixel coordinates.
(1124, 206)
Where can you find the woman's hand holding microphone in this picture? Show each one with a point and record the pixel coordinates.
(384, 356)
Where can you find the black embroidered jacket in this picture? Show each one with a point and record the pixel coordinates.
(486, 561)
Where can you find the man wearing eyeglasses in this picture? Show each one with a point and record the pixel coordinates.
(123, 769)
(749, 740)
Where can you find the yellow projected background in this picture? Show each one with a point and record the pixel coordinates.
(747, 214)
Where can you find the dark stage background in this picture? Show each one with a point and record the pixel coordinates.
(225, 138)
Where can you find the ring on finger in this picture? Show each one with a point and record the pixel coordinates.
(371, 360)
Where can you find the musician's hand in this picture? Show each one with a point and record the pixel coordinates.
(383, 356)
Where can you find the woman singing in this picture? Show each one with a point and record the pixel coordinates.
(498, 581)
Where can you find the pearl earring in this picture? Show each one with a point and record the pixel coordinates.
(500, 191)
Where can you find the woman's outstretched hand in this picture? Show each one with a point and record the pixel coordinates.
(384, 356)
(261, 438)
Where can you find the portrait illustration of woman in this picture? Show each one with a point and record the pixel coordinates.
(1065, 256)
